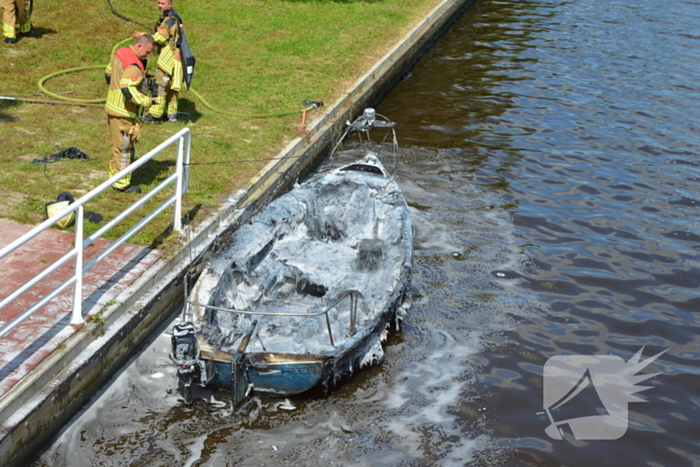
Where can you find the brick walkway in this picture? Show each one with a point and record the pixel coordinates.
(39, 335)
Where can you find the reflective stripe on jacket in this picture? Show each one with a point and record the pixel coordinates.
(166, 36)
(124, 97)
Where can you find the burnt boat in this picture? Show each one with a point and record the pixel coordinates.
(307, 290)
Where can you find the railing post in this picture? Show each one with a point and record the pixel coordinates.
(177, 221)
(186, 162)
(330, 332)
(183, 138)
(77, 317)
(353, 313)
(182, 169)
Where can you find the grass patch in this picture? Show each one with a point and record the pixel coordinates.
(253, 57)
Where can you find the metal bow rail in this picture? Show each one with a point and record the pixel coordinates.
(182, 138)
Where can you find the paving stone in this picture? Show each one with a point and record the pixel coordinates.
(39, 335)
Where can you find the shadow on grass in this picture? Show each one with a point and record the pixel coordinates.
(152, 172)
(37, 33)
(4, 107)
(187, 112)
(187, 220)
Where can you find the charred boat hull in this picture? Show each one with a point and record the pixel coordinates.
(307, 290)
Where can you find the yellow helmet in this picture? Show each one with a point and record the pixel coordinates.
(62, 202)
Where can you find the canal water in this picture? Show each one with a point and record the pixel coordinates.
(550, 156)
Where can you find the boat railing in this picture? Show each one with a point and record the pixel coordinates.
(352, 294)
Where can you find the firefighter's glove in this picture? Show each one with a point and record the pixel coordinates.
(135, 132)
(108, 78)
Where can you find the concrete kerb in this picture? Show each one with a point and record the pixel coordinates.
(38, 406)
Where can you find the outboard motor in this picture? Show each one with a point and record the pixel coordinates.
(185, 354)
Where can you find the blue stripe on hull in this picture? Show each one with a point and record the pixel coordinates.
(289, 378)
(280, 378)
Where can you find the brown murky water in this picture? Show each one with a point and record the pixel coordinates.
(550, 158)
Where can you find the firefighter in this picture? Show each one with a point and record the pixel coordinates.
(168, 79)
(124, 74)
(16, 17)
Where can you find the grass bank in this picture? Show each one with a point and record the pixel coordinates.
(253, 57)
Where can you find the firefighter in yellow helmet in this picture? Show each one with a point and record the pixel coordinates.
(16, 17)
(169, 66)
(124, 74)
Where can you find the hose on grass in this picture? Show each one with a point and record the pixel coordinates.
(41, 82)
(204, 102)
(44, 79)
(266, 115)
(118, 15)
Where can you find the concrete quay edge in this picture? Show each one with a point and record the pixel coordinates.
(37, 407)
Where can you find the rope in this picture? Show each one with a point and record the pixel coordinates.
(68, 153)
(237, 115)
(243, 162)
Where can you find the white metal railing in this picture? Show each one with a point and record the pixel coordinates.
(180, 177)
(353, 294)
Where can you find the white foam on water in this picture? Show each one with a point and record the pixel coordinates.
(407, 411)
(195, 448)
(422, 395)
(138, 388)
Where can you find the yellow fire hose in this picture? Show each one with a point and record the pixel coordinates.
(40, 83)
